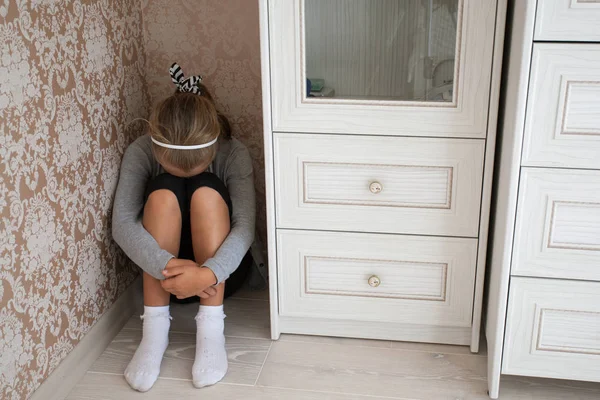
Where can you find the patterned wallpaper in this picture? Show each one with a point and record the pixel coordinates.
(71, 81)
(220, 41)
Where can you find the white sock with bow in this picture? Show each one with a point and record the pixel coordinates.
(210, 365)
(144, 367)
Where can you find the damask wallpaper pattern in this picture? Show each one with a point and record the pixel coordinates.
(220, 41)
(71, 82)
(73, 77)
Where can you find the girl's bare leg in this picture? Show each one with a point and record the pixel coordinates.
(162, 219)
(210, 226)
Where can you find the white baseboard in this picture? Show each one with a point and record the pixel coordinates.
(70, 371)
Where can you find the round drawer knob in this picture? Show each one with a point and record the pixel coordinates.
(375, 187)
(374, 281)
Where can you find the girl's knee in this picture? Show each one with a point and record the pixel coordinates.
(207, 193)
(163, 220)
(162, 202)
(206, 199)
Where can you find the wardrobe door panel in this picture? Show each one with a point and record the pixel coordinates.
(382, 67)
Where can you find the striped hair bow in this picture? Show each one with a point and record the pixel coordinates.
(186, 85)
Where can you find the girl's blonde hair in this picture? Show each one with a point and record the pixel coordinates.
(187, 119)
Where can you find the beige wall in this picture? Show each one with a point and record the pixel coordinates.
(71, 78)
(73, 75)
(220, 41)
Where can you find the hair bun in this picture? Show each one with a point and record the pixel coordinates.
(185, 85)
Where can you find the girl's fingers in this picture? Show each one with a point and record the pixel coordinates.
(173, 271)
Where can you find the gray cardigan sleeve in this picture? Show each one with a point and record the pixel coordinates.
(240, 183)
(127, 228)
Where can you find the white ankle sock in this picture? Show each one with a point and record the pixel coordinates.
(210, 365)
(144, 367)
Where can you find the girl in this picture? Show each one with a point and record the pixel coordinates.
(184, 212)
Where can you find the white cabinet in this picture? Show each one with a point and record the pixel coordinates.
(391, 42)
(562, 128)
(374, 184)
(342, 278)
(380, 123)
(553, 329)
(544, 305)
(557, 232)
(568, 20)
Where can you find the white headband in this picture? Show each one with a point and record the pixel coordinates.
(179, 147)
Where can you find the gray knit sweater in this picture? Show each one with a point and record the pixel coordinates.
(232, 165)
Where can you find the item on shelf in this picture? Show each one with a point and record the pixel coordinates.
(317, 84)
(324, 92)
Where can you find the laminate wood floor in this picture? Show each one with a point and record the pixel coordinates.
(311, 368)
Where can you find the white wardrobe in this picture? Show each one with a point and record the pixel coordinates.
(544, 298)
(379, 120)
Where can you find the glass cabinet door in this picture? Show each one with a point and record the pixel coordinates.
(386, 67)
(381, 50)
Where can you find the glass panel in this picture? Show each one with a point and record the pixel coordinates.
(381, 49)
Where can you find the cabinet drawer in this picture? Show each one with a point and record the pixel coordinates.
(382, 184)
(553, 329)
(562, 127)
(568, 20)
(370, 277)
(558, 224)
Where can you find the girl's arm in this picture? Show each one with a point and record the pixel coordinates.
(127, 228)
(240, 183)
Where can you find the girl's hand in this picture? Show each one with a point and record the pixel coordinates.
(185, 278)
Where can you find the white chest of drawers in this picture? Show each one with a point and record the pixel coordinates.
(378, 197)
(544, 298)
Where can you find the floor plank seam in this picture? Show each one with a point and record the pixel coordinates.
(128, 328)
(121, 375)
(336, 393)
(104, 373)
(441, 352)
(168, 378)
(263, 364)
